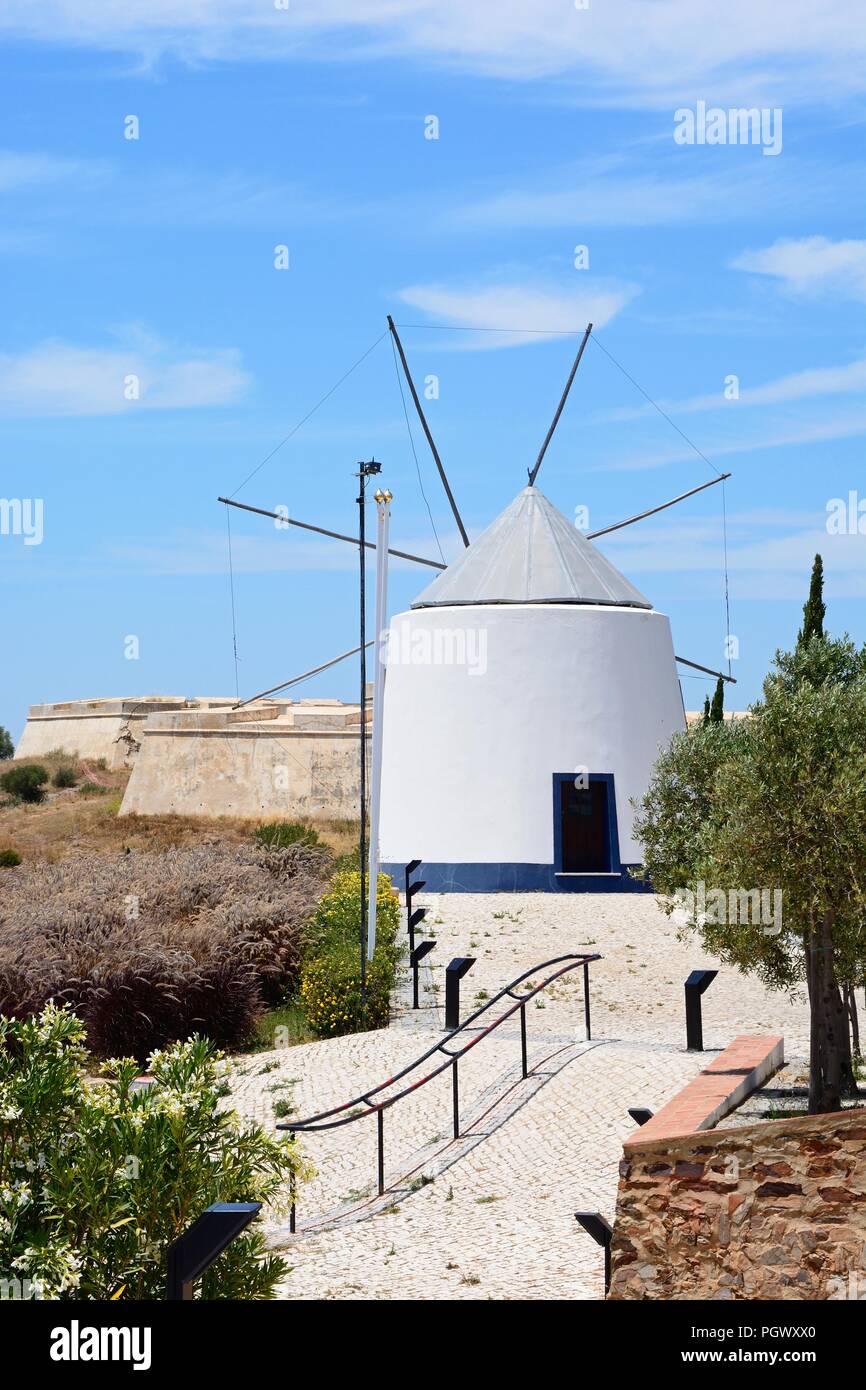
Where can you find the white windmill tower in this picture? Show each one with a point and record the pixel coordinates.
(529, 690)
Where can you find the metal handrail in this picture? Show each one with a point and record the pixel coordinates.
(325, 1120)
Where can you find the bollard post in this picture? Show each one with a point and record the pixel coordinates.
(455, 1099)
(454, 973)
(380, 1149)
(696, 984)
(293, 1207)
(193, 1252)
(602, 1233)
(416, 955)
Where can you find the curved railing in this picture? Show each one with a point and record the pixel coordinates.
(336, 1117)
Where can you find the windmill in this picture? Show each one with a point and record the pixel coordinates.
(529, 689)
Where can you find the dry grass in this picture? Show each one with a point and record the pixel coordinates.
(218, 923)
(149, 947)
(67, 823)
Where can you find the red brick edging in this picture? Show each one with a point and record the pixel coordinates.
(744, 1065)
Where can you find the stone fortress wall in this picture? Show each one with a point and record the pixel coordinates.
(201, 757)
(92, 729)
(273, 759)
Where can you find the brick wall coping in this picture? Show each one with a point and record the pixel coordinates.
(745, 1064)
(749, 1136)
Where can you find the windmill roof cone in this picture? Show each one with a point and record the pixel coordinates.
(531, 553)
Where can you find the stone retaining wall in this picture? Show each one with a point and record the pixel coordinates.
(277, 761)
(775, 1210)
(92, 729)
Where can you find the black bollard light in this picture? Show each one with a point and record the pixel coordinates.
(410, 889)
(415, 958)
(415, 920)
(698, 982)
(639, 1115)
(193, 1252)
(454, 973)
(602, 1233)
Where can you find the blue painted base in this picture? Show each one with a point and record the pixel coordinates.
(516, 878)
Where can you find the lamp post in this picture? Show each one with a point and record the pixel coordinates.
(365, 471)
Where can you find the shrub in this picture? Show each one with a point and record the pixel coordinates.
(348, 862)
(25, 783)
(7, 747)
(97, 1179)
(336, 920)
(92, 789)
(280, 834)
(148, 948)
(331, 970)
(9, 858)
(331, 992)
(64, 777)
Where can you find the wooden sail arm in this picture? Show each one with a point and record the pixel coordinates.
(533, 472)
(305, 675)
(707, 670)
(606, 530)
(332, 535)
(426, 428)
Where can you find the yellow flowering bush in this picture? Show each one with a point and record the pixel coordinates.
(331, 969)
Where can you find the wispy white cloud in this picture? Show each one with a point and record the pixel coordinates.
(611, 193)
(61, 379)
(764, 561)
(637, 51)
(19, 170)
(811, 265)
(538, 312)
(808, 432)
(796, 386)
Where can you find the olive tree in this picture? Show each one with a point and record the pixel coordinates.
(776, 802)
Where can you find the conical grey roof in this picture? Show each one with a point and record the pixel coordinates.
(531, 553)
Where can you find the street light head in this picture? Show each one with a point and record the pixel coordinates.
(595, 1225)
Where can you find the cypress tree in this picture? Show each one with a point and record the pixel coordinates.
(717, 708)
(814, 608)
(706, 711)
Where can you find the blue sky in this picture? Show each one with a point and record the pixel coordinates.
(305, 127)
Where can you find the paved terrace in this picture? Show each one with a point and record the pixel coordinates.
(497, 1220)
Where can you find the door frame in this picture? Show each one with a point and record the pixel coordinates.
(614, 864)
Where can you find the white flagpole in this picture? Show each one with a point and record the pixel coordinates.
(383, 502)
